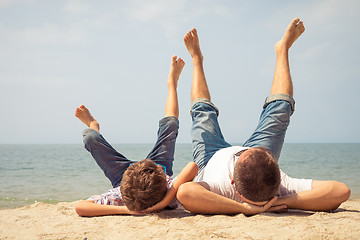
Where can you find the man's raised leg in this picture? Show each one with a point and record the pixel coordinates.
(275, 117)
(282, 82)
(206, 134)
(199, 88)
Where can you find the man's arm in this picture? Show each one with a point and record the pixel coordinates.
(196, 197)
(324, 196)
(187, 174)
(88, 208)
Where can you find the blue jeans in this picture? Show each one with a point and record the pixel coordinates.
(206, 134)
(114, 164)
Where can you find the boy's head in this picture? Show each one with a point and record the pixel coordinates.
(257, 175)
(143, 185)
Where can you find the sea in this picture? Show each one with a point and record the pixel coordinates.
(66, 173)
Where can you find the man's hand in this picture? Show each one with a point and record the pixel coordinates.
(251, 209)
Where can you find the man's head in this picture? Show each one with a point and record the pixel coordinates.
(257, 175)
(143, 185)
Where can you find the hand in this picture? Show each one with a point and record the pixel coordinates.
(136, 213)
(157, 207)
(252, 209)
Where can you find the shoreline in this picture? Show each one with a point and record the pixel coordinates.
(59, 221)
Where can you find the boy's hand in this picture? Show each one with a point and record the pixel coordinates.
(157, 207)
(136, 213)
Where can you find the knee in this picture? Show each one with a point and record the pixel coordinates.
(173, 124)
(90, 136)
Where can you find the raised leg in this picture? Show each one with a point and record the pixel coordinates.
(199, 88)
(282, 82)
(109, 160)
(275, 118)
(84, 115)
(164, 148)
(172, 106)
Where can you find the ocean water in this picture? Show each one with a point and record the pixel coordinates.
(55, 173)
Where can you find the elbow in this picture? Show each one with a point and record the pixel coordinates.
(342, 193)
(194, 170)
(184, 195)
(80, 209)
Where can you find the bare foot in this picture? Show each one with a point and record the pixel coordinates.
(84, 115)
(293, 32)
(176, 67)
(191, 41)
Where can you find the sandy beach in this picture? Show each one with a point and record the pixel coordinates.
(47, 221)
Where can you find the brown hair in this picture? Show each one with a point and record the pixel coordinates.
(257, 175)
(143, 185)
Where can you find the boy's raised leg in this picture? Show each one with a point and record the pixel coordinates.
(199, 88)
(84, 115)
(163, 151)
(171, 105)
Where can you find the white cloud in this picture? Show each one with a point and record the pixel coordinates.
(314, 51)
(10, 3)
(78, 7)
(52, 33)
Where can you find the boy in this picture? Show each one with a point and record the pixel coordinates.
(144, 186)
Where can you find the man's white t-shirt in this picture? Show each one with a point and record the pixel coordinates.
(220, 169)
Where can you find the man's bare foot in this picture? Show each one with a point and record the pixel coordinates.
(84, 115)
(293, 32)
(191, 41)
(176, 67)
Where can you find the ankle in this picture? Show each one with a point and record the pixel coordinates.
(198, 59)
(172, 82)
(94, 125)
(281, 48)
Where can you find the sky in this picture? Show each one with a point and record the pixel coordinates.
(114, 56)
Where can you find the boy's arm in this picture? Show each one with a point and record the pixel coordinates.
(196, 197)
(187, 174)
(324, 196)
(88, 208)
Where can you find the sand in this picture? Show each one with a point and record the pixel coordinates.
(47, 221)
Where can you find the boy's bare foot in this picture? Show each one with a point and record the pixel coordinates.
(191, 41)
(176, 67)
(293, 32)
(84, 115)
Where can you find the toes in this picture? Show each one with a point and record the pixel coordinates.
(77, 112)
(174, 57)
(301, 27)
(194, 32)
(295, 21)
(187, 35)
(300, 24)
(181, 62)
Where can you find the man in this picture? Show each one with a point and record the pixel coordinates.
(247, 179)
